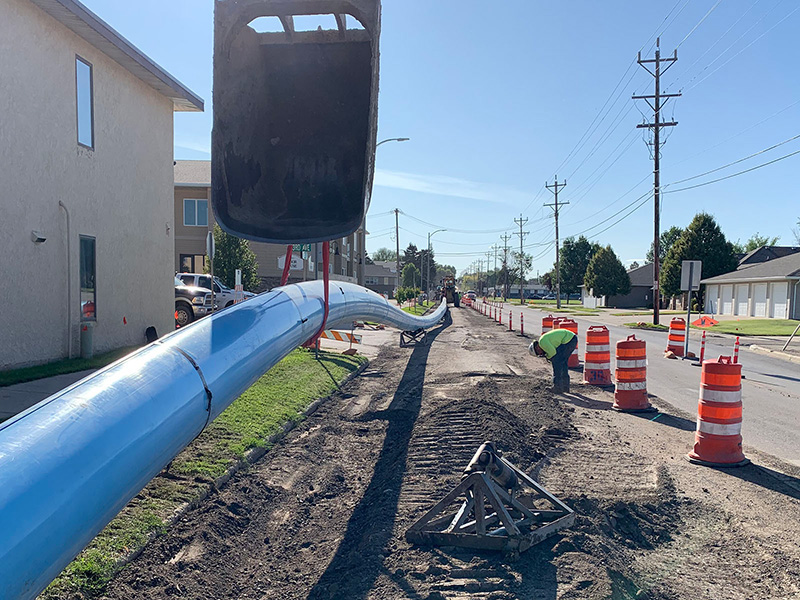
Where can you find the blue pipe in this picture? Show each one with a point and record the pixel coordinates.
(69, 464)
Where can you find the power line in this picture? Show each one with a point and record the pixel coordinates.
(555, 189)
(691, 187)
(736, 162)
(698, 24)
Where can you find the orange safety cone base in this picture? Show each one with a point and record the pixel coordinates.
(648, 409)
(717, 451)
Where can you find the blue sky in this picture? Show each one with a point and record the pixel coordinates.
(497, 101)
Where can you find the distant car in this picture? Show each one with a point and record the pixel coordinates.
(224, 296)
(191, 303)
(574, 296)
(550, 296)
(471, 295)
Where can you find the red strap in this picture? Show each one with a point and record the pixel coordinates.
(287, 265)
(326, 259)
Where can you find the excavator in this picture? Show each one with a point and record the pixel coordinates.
(450, 292)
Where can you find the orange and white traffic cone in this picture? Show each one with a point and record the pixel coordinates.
(630, 394)
(718, 439)
(597, 361)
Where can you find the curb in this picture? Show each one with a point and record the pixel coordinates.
(251, 457)
(776, 353)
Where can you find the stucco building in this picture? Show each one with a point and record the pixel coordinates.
(194, 218)
(86, 147)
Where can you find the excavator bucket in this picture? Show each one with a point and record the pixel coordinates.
(295, 118)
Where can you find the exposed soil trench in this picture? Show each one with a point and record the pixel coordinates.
(323, 515)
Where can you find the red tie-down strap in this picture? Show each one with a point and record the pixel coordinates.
(287, 265)
(326, 259)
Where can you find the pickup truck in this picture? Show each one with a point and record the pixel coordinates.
(224, 296)
(191, 302)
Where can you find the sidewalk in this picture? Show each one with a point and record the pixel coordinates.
(16, 398)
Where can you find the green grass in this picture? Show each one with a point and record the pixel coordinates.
(754, 327)
(647, 326)
(648, 313)
(279, 396)
(419, 309)
(60, 367)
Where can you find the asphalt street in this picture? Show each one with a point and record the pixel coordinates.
(770, 389)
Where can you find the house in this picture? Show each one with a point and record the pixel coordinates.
(640, 296)
(767, 289)
(86, 148)
(194, 219)
(381, 277)
(765, 253)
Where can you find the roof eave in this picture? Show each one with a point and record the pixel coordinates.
(85, 24)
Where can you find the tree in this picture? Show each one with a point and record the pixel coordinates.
(548, 280)
(526, 260)
(575, 257)
(384, 254)
(633, 265)
(702, 240)
(606, 275)
(233, 253)
(666, 239)
(755, 242)
(410, 276)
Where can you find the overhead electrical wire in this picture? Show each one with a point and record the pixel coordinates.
(691, 187)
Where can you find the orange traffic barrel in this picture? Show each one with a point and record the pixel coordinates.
(597, 360)
(547, 324)
(677, 336)
(572, 326)
(630, 394)
(718, 439)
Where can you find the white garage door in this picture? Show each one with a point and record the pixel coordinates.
(742, 295)
(727, 300)
(711, 300)
(760, 300)
(780, 305)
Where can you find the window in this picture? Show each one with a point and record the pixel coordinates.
(84, 95)
(195, 212)
(187, 263)
(87, 268)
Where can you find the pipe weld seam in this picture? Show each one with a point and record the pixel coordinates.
(202, 379)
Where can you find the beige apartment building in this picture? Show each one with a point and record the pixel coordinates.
(194, 218)
(86, 146)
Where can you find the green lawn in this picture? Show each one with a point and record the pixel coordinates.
(279, 396)
(644, 325)
(419, 309)
(648, 313)
(61, 367)
(754, 327)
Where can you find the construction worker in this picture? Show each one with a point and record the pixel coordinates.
(556, 346)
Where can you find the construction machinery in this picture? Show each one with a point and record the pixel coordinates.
(449, 291)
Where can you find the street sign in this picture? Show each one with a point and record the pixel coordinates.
(705, 321)
(210, 245)
(690, 275)
(296, 265)
(301, 247)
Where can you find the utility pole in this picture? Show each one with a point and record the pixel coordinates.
(496, 278)
(488, 255)
(521, 235)
(658, 102)
(397, 239)
(505, 237)
(555, 206)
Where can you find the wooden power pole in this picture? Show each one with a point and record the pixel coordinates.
(658, 101)
(555, 206)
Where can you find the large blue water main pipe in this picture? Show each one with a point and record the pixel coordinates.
(69, 464)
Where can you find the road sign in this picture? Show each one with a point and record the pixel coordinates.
(705, 321)
(301, 247)
(211, 246)
(296, 265)
(690, 275)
